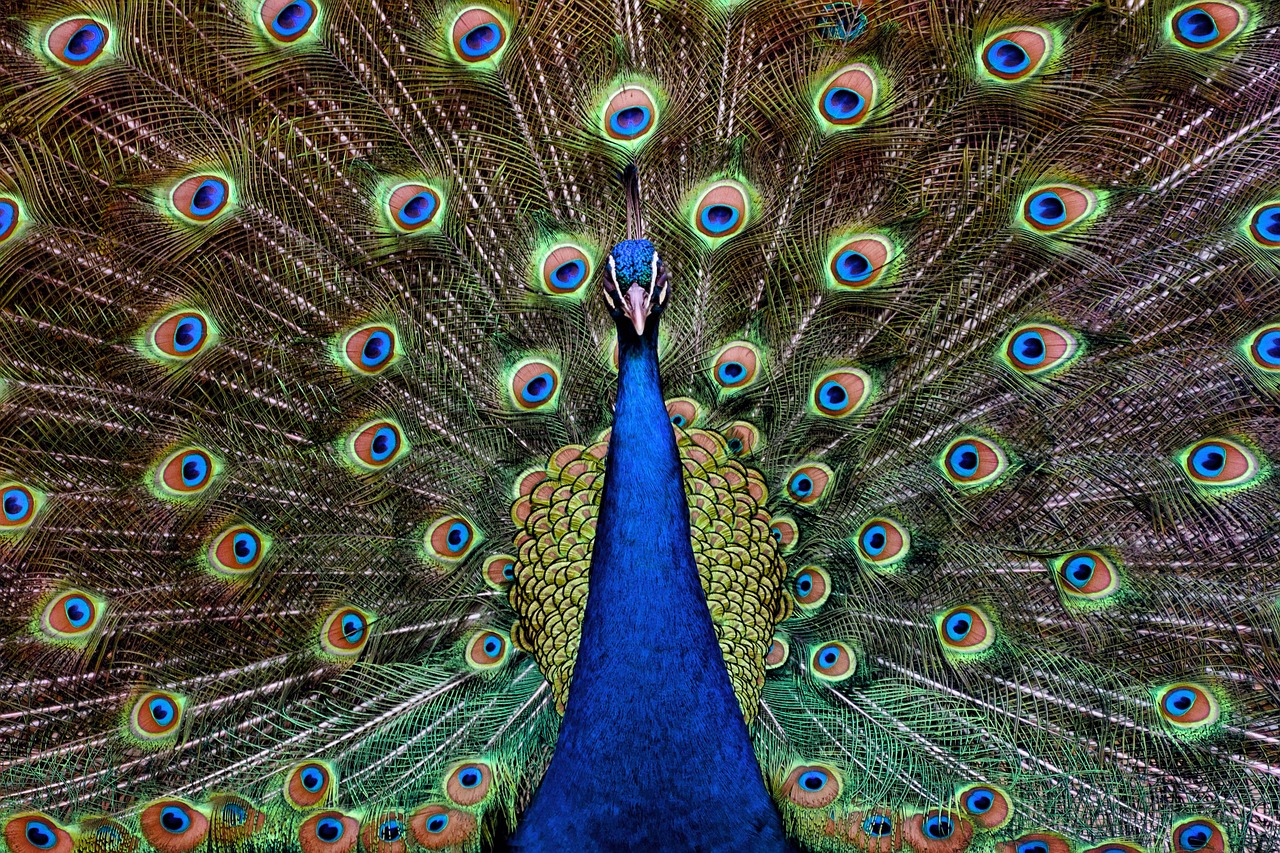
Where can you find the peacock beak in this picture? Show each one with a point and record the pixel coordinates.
(636, 307)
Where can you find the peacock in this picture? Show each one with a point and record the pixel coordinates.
(656, 425)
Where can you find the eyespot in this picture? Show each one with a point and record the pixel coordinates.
(1204, 26)
(413, 207)
(185, 472)
(77, 42)
(234, 818)
(486, 650)
(384, 833)
(1198, 835)
(1054, 208)
(938, 830)
(966, 630)
(810, 587)
(859, 261)
(287, 21)
(1264, 225)
(1263, 348)
(468, 784)
(721, 211)
(34, 832)
(985, 805)
(376, 444)
(630, 114)
(736, 366)
(18, 505)
(1039, 348)
(683, 412)
(883, 543)
(1017, 54)
(155, 716)
(839, 393)
(743, 438)
(777, 653)
(328, 832)
(535, 385)
(200, 198)
(785, 533)
(172, 826)
(237, 551)
(451, 538)
(1086, 574)
(181, 335)
(10, 217)
(848, 98)
(309, 784)
(438, 828)
(833, 661)
(71, 615)
(1218, 462)
(877, 826)
(345, 632)
(1038, 842)
(973, 461)
(807, 484)
(478, 35)
(1187, 706)
(500, 571)
(565, 269)
(370, 349)
(812, 786)
(1116, 847)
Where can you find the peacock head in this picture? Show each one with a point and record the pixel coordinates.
(636, 287)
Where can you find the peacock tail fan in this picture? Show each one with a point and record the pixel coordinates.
(972, 358)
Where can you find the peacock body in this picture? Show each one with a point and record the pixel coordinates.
(664, 425)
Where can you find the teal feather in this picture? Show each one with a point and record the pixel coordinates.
(239, 545)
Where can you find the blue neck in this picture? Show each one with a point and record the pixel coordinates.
(653, 753)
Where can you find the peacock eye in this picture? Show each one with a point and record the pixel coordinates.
(534, 385)
(469, 783)
(813, 786)
(1198, 834)
(833, 662)
(973, 461)
(839, 393)
(1204, 26)
(375, 444)
(777, 653)
(1087, 575)
(72, 614)
(938, 825)
(369, 349)
(437, 823)
(328, 829)
(1218, 462)
(500, 571)
(743, 438)
(18, 504)
(1264, 225)
(287, 21)
(883, 542)
(811, 588)
(32, 832)
(345, 632)
(200, 198)
(155, 716)
(451, 538)
(877, 825)
(486, 650)
(683, 412)
(1187, 706)
(986, 806)
(181, 335)
(785, 533)
(565, 269)
(1017, 54)
(1263, 348)
(10, 218)
(736, 366)
(413, 207)
(848, 98)
(77, 42)
(173, 826)
(807, 484)
(721, 211)
(966, 630)
(478, 34)
(1039, 348)
(436, 827)
(390, 830)
(859, 261)
(237, 551)
(1054, 208)
(630, 114)
(308, 784)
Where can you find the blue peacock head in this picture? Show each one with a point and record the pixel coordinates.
(636, 287)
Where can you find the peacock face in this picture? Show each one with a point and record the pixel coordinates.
(636, 287)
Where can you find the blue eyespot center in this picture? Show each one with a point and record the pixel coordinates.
(188, 333)
(813, 780)
(8, 214)
(417, 209)
(40, 834)
(1007, 57)
(492, 646)
(833, 395)
(877, 825)
(841, 104)
(352, 629)
(1029, 349)
(175, 819)
(458, 537)
(195, 468)
(828, 657)
(313, 778)
(938, 826)
(804, 584)
(1179, 701)
(1209, 460)
(293, 19)
(874, 539)
(539, 388)
(377, 348)
(718, 218)
(78, 611)
(481, 41)
(1033, 847)
(1079, 571)
(854, 266)
(1268, 343)
(678, 420)
(329, 829)
(979, 801)
(162, 710)
(964, 460)
(234, 814)
(470, 777)
(1047, 208)
(509, 571)
(735, 445)
(731, 372)
(385, 441)
(801, 485)
(17, 503)
(568, 275)
(958, 626)
(630, 121)
(84, 43)
(1195, 837)
(208, 197)
(437, 823)
(390, 830)
(1198, 26)
(1266, 221)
